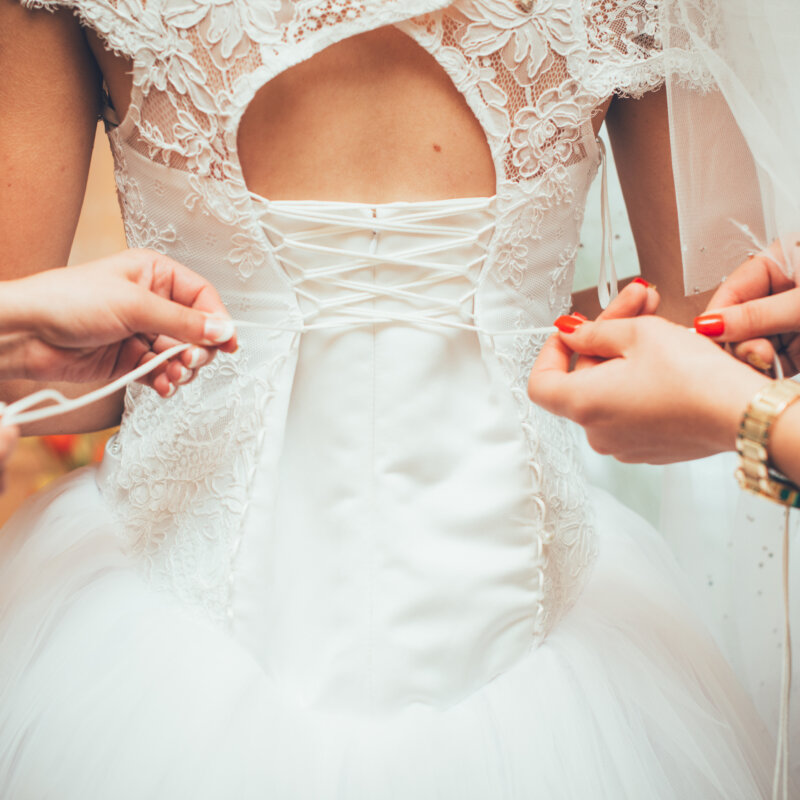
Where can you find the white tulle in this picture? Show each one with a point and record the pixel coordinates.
(737, 168)
(117, 690)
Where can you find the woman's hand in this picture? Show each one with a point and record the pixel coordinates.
(636, 299)
(656, 392)
(100, 320)
(757, 301)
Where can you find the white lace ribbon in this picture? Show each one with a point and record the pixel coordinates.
(607, 281)
(24, 410)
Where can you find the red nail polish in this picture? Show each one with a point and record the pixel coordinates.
(644, 283)
(710, 324)
(568, 323)
(579, 315)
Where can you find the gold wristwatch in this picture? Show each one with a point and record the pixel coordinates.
(755, 473)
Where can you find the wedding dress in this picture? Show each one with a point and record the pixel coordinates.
(352, 560)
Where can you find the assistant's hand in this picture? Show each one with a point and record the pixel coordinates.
(638, 298)
(100, 320)
(661, 393)
(757, 301)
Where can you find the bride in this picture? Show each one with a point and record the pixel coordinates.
(350, 560)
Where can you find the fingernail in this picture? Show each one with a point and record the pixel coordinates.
(184, 376)
(644, 283)
(198, 358)
(171, 391)
(568, 323)
(218, 330)
(710, 324)
(579, 315)
(755, 360)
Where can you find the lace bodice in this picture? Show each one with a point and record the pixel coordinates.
(182, 474)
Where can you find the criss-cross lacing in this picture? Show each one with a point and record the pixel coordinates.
(343, 300)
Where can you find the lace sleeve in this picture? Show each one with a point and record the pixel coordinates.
(628, 52)
(114, 22)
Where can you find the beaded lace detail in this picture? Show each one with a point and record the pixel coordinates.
(533, 78)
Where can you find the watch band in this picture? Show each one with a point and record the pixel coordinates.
(755, 473)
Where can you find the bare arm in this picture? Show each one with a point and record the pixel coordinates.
(639, 134)
(49, 95)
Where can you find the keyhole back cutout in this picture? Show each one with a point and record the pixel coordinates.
(372, 119)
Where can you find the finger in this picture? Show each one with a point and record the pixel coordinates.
(585, 362)
(757, 277)
(130, 355)
(179, 374)
(758, 353)
(196, 357)
(766, 316)
(604, 339)
(653, 301)
(156, 379)
(155, 314)
(177, 283)
(549, 370)
(162, 384)
(175, 371)
(630, 302)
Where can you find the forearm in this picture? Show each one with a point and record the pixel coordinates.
(784, 438)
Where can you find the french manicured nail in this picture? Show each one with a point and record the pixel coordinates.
(171, 391)
(710, 324)
(568, 323)
(219, 330)
(644, 283)
(579, 315)
(197, 358)
(184, 376)
(755, 360)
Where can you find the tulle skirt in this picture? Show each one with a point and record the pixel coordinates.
(111, 689)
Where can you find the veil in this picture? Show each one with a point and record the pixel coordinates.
(734, 129)
(735, 132)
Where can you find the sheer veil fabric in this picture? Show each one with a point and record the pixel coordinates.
(734, 130)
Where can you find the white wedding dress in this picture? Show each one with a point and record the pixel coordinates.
(352, 560)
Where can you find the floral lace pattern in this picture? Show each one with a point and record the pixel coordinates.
(181, 510)
(533, 79)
